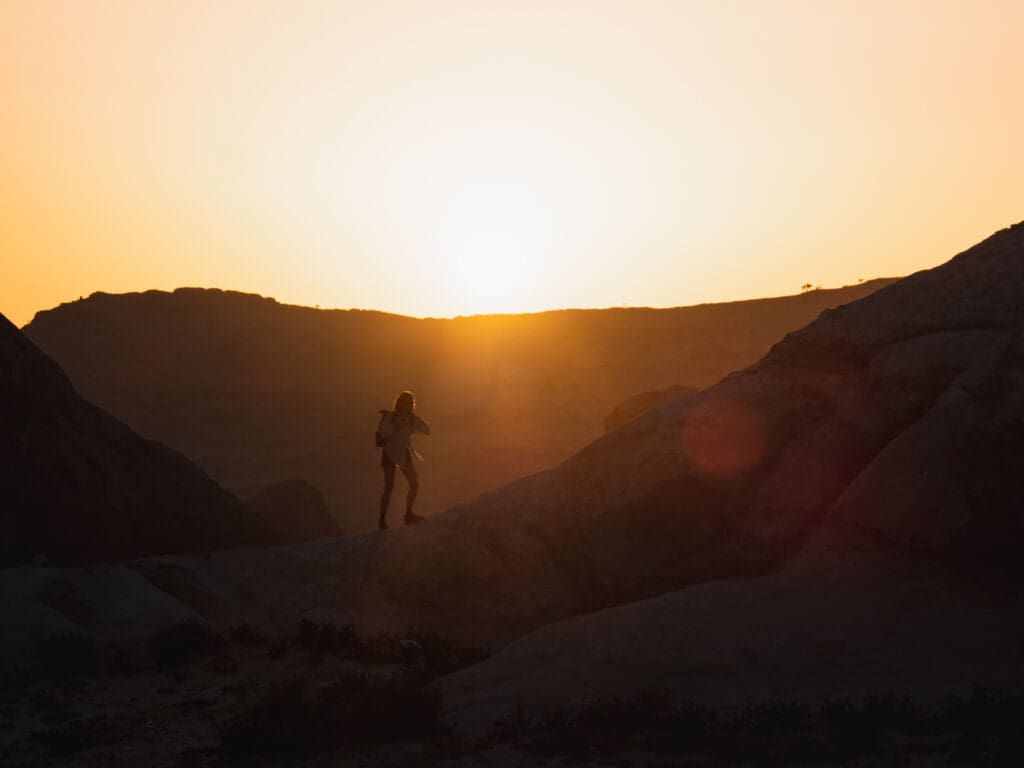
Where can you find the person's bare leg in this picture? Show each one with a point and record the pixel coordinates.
(385, 498)
(409, 470)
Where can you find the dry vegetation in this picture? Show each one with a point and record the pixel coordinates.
(195, 697)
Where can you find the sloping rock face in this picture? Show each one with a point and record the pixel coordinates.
(887, 428)
(896, 419)
(632, 407)
(884, 486)
(808, 635)
(79, 486)
(295, 511)
(256, 392)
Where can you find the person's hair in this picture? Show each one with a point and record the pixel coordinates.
(412, 400)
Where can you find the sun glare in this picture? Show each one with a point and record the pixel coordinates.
(483, 206)
(491, 270)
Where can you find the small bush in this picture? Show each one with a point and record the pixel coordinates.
(119, 660)
(67, 655)
(357, 709)
(381, 648)
(988, 726)
(326, 637)
(853, 728)
(647, 721)
(277, 649)
(281, 725)
(773, 716)
(421, 653)
(244, 634)
(430, 655)
(512, 726)
(74, 736)
(374, 709)
(178, 644)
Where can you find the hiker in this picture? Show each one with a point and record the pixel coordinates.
(395, 438)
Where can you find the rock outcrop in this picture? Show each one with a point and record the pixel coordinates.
(256, 392)
(78, 486)
(632, 407)
(295, 510)
(869, 460)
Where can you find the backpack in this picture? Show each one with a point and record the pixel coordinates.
(378, 438)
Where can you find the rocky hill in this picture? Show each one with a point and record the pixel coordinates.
(80, 486)
(892, 422)
(839, 519)
(256, 392)
(294, 510)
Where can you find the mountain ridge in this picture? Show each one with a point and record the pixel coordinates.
(255, 391)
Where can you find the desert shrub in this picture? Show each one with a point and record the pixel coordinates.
(858, 728)
(178, 644)
(244, 634)
(647, 721)
(774, 732)
(512, 726)
(773, 716)
(66, 655)
(381, 648)
(326, 637)
(74, 736)
(373, 708)
(419, 652)
(987, 726)
(277, 649)
(119, 660)
(357, 709)
(430, 655)
(283, 724)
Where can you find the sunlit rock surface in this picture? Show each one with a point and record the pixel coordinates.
(810, 522)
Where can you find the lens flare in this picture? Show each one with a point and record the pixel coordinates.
(723, 437)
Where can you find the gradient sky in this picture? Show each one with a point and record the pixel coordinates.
(444, 158)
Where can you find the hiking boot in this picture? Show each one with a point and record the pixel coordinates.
(412, 518)
(381, 524)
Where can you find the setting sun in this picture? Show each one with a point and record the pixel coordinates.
(457, 158)
(690, 334)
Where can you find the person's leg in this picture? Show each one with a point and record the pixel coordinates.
(385, 498)
(409, 470)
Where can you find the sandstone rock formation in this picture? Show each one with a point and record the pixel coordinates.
(76, 485)
(295, 511)
(256, 392)
(632, 407)
(829, 511)
(885, 486)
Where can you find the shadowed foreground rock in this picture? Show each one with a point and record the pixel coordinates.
(886, 433)
(256, 392)
(80, 486)
(295, 511)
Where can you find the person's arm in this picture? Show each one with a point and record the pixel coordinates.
(387, 425)
(419, 425)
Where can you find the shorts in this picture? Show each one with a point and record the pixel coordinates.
(385, 460)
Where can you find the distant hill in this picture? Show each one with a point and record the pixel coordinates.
(841, 516)
(257, 392)
(79, 486)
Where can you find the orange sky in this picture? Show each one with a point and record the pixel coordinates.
(437, 158)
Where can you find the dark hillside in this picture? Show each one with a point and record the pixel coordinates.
(79, 486)
(257, 392)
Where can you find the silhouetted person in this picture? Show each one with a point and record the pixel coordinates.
(396, 428)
